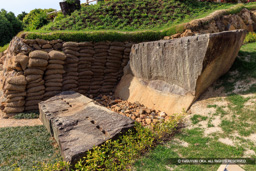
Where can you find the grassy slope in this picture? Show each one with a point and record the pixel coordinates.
(137, 35)
(131, 15)
(237, 122)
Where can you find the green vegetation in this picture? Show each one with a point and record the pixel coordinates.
(37, 18)
(30, 115)
(245, 64)
(197, 118)
(26, 147)
(250, 37)
(129, 15)
(74, 28)
(3, 48)
(9, 26)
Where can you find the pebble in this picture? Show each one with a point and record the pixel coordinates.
(135, 111)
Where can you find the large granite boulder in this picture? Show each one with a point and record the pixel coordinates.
(169, 75)
(78, 123)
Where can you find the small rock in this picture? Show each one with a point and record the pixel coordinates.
(148, 121)
(162, 114)
(138, 120)
(117, 108)
(142, 116)
(91, 96)
(141, 111)
(148, 111)
(104, 97)
(133, 117)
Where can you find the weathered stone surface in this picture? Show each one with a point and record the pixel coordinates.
(169, 75)
(78, 124)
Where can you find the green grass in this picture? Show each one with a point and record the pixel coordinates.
(200, 147)
(130, 15)
(197, 118)
(28, 115)
(132, 33)
(245, 64)
(25, 148)
(3, 48)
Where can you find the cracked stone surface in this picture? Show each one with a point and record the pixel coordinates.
(78, 123)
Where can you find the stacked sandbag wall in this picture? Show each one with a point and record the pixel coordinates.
(35, 70)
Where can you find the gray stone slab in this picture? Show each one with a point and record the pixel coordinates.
(78, 123)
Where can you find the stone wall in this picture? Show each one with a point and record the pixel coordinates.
(35, 70)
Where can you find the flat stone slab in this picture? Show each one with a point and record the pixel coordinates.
(78, 123)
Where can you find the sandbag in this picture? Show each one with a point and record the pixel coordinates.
(36, 81)
(56, 62)
(70, 82)
(85, 44)
(71, 74)
(70, 78)
(40, 97)
(88, 73)
(15, 87)
(55, 66)
(72, 60)
(39, 54)
(33, 71)
(35, 84)
(17, 94)
(32, 102)
(87, 51)
(54, 80)
(19, 103)
(72, 44)
(54, 76)
(38, 93)
(57, 55)
(69, 86)
(18, 98)
(71, 69)
(17, 80)
(71, 52)
(84, 87)
(22, 60)
(71, 48)
(37, 63)
(53, 84)
(51, 93)
(56, 71)
(35, 89)
(53, 89)
(30, 78)
(31, 108)
(9, 110)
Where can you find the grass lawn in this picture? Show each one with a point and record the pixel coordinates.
(26, 147)
(224, 128)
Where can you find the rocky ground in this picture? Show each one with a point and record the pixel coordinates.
(136, 111)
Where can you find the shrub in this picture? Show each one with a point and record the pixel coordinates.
(250, 37)
(22, 15)
(36, 19)
(9, 26)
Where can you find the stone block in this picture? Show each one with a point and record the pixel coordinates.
(169, 75)
(78, 123)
